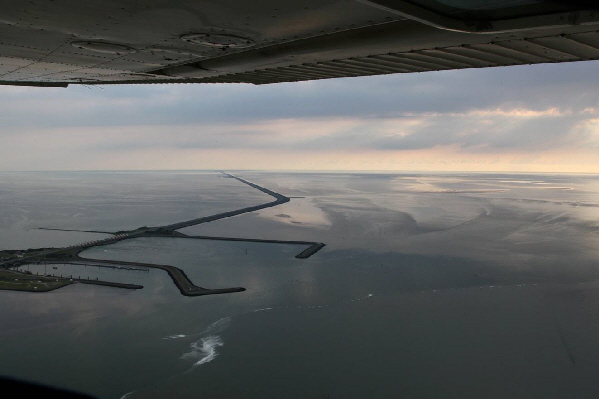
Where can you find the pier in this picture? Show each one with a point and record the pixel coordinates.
(183, 283)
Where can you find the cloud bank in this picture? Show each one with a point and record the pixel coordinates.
(542, 117)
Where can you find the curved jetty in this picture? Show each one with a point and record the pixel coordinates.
(183, 283)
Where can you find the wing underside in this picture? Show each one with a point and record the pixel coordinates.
(61, 42)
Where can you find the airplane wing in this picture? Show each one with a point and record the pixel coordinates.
(61, 42)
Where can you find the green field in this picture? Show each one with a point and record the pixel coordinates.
(16, 281)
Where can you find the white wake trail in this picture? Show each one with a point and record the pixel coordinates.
(213, 328)
(203, 350)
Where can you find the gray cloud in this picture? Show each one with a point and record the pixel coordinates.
(475, 111)
(568, 86)
(468, 132)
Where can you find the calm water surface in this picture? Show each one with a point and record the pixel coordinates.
(449, 285)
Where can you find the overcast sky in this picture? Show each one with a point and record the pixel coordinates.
(542, 118)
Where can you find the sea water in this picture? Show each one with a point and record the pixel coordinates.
(430, 285)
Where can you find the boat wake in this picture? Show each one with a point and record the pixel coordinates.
(217, 326)
(204, 345)
(213, 328)
(176, 336)
(203, 350)
(262, 310)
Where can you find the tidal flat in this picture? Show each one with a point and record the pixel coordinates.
(430, 285)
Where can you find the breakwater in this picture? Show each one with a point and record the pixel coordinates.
(183, 283)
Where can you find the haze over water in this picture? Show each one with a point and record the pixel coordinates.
(431, 285)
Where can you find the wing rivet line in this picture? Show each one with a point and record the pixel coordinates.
(225, 40)
(104, 47)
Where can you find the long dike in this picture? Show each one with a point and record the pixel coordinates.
(279, 199)
(313, 247)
